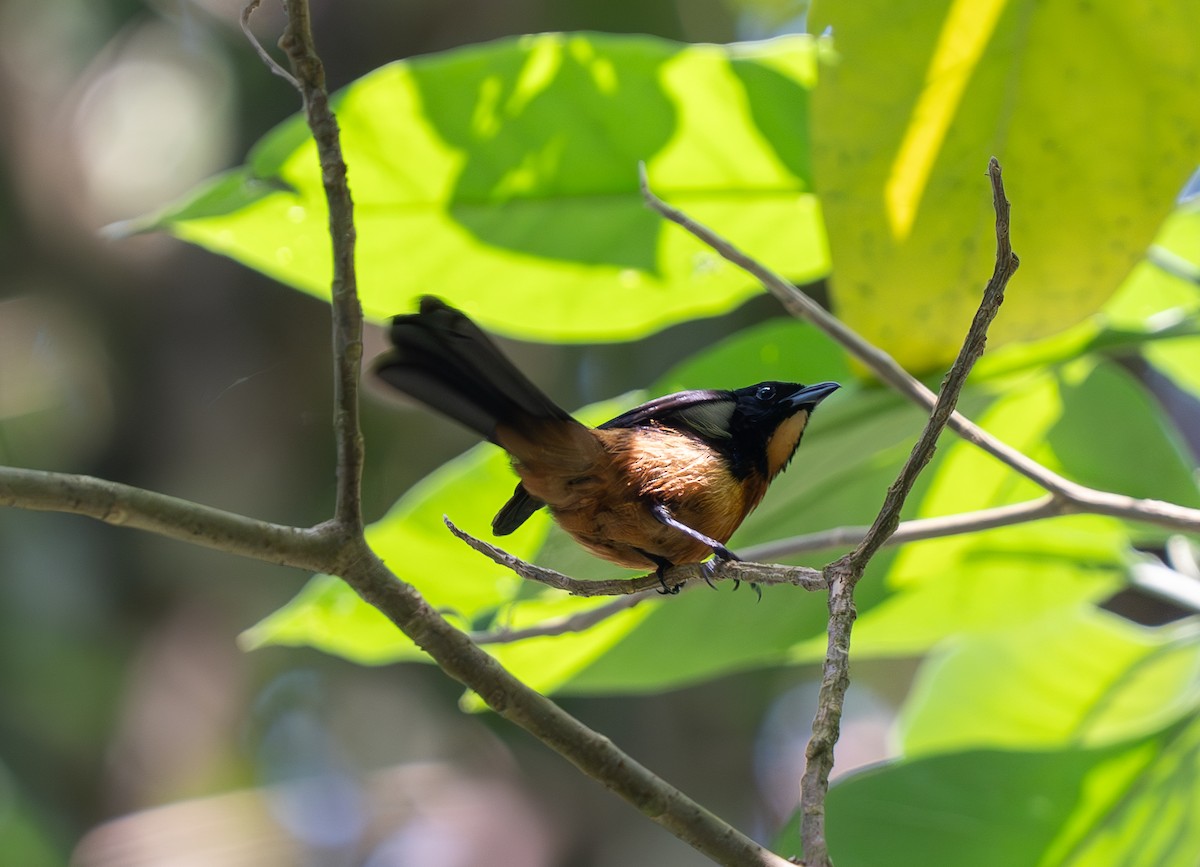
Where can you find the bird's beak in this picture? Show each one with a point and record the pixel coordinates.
(810, 396)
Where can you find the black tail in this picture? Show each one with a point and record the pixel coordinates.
(444, 360)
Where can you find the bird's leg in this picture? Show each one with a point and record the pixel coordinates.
(660, 512)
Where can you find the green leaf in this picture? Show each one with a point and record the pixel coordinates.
(1090, 108)
(909, 600)
(413, 540)
(1165, 291)
(27, 836)
(1111, 709)
(514, 164)
(1130, 803)
(1080, 677)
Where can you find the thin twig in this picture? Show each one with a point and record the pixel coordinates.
(266, 58)
(581, 621)
(908, 531)
(297, 42)
(844, 573)
(888, 370)
(678, 577)
(916, 530)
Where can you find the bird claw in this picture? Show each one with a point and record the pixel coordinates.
(737, 582)
(666, 591)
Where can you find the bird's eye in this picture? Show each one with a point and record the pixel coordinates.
(765, 393)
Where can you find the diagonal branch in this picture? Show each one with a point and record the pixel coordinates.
(888, 370)
(590, 751)
(581, 621)
(844, 574)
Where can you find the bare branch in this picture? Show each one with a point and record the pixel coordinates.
(916, 530)
(126, 506)
(678, 577)
(578, 622)
(588, 750)
(844, 573)
(297, 43)
(326, 548)
(908, 531)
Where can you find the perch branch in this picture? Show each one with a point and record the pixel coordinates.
(325, 548)
(680, 576)
(588, 750)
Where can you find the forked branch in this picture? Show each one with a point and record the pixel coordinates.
(844, 573)
(1079, 497)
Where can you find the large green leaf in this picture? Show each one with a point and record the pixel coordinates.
(1090, 108)
(415, 543)
(1165, 290)
(504, 178)
(1079, 677)
(1131, 803)
(909, 600)
(1072, 740)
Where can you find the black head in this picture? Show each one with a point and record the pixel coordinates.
(757, 428)
(768, 420)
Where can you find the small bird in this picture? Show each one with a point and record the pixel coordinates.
(664, 484)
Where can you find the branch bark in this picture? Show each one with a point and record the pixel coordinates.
(845, 572)
(591, 752)
(680, 576)
(126, 506)
(309, 76)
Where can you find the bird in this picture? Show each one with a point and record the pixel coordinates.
(664, 484)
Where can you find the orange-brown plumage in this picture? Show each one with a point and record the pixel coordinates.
(666, 483)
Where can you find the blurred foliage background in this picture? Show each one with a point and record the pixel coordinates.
(134, 731)
(155, 363)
